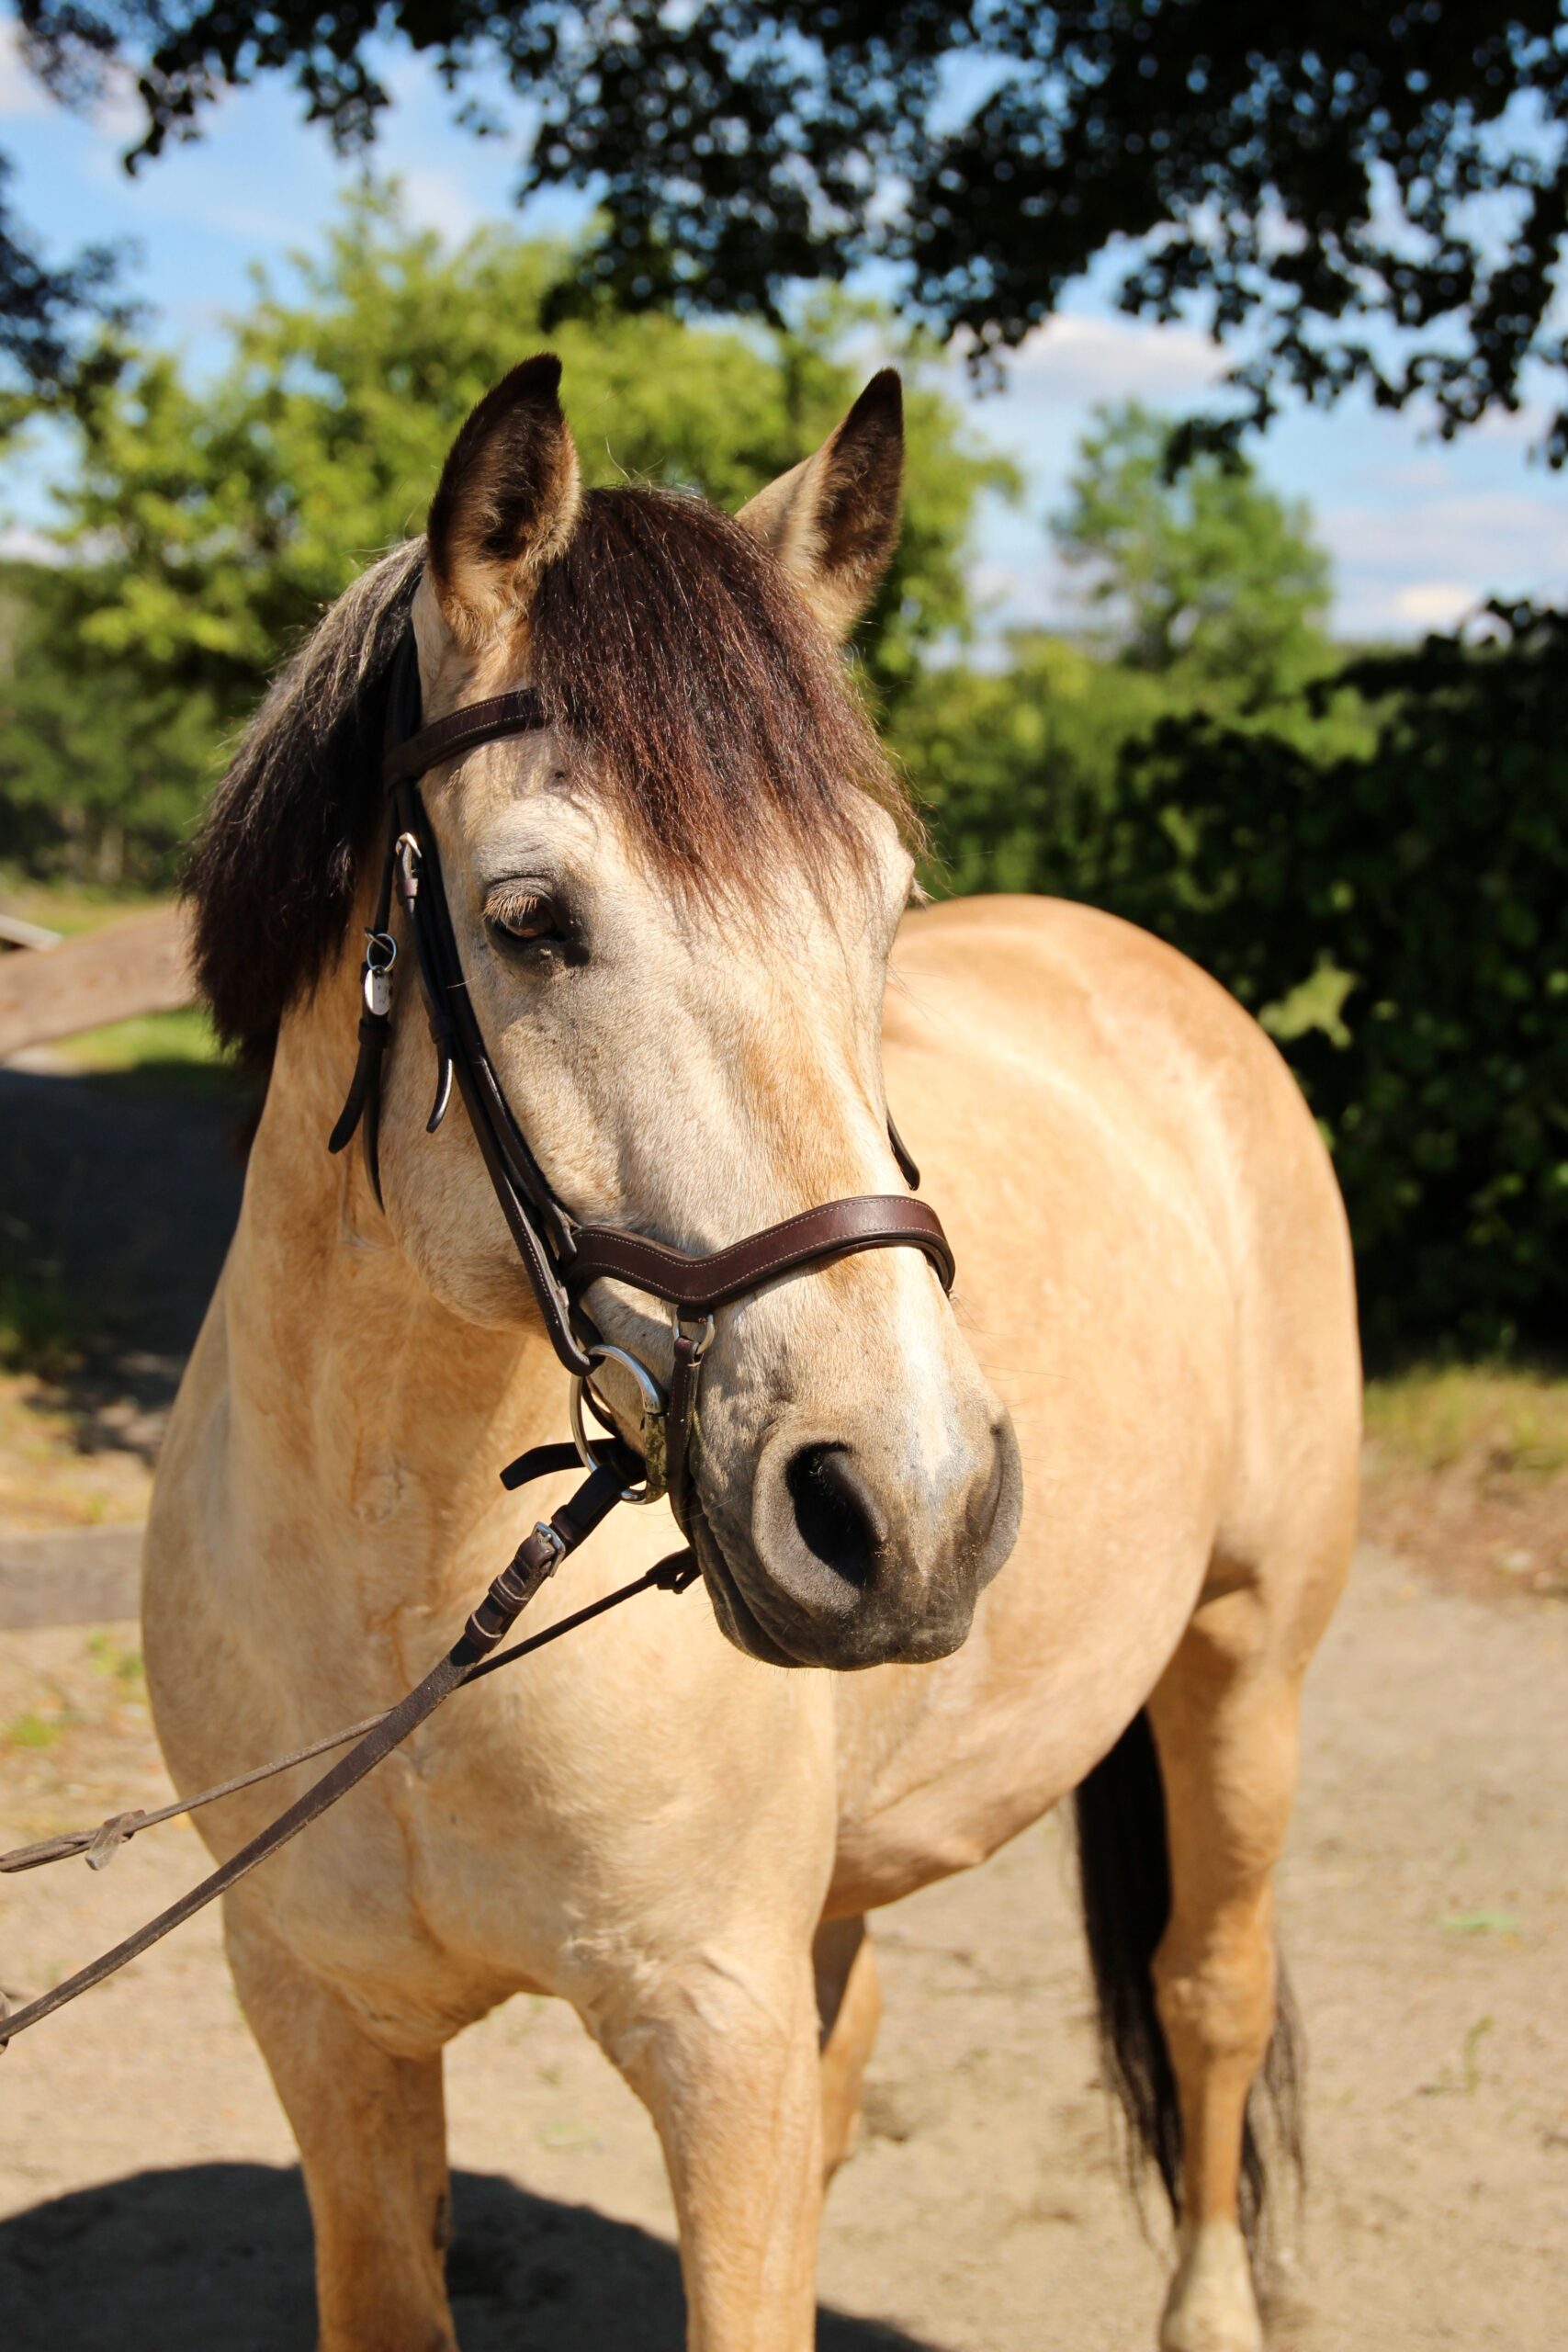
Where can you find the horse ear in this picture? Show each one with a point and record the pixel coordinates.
(832, 521)
(506, 503)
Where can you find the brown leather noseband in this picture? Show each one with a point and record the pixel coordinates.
(561, 1256)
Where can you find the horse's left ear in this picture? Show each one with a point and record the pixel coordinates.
(833, 520)
(506, 503)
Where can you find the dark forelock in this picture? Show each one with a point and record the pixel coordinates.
(669, 647)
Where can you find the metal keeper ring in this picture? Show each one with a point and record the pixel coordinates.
(651, 1425)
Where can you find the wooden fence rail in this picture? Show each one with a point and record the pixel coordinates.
(134, 967)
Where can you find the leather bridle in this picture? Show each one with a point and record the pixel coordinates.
(561, 1256)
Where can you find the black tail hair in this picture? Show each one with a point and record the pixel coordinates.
(1125, 1876)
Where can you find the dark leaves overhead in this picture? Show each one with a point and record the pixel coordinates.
(45, 315)
(1375, 193)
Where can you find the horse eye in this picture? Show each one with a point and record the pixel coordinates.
(526, 916)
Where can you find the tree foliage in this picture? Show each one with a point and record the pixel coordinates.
(1399, 916)
(100, 766)
(209, 521)
(1205, 595)
(49, 314)
(1205, 570)
(1367, 192)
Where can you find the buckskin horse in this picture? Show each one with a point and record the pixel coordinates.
(672, 899)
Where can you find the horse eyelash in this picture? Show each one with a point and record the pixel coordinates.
(505, 908)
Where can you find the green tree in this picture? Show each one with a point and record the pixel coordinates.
(1398, 917)
(1289, 176)
(209, 521)
(1206, 596)
(97, 780)
(1204, 573)
(1013, 764)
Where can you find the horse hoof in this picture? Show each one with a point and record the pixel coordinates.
(1211, 2306)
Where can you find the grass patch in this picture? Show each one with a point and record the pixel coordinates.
(71, 907)
(35, 1731)
(183, 1037)
(1502, 1419)
(117, 1664)
(174, 1052)
(170, 1053)
(38, 1328)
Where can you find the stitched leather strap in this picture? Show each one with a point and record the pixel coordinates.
(462, 730)
(535, 1561)
(700, 1286)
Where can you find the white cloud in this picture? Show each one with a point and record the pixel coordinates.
(1418, 562)
(1022, 594)
(1085, 359)
(1420, 474)
(1481, 535)
(21, 94)
(1068, 366)
(19, 544)
(1435, 604)
(439, 200)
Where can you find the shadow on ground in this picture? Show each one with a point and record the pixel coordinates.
(121, 1195)
(220, 2255)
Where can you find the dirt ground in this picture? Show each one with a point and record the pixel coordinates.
(148, 2197)
(149, 2203)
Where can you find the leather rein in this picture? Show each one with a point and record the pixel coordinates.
(562, 1257)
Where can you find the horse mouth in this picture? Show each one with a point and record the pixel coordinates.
(737, 1621)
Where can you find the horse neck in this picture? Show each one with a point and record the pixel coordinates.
(367, 1403)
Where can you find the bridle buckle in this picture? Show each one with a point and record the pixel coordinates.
(695, 1349)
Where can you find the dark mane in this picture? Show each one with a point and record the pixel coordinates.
(666, 641)
(272, 878)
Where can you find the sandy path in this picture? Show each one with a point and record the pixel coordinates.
(145, 2182)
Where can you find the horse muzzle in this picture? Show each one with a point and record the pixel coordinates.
(850, 1558)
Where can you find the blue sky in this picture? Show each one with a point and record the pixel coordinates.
(1419, 531)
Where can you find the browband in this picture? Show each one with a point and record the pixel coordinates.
(519, 713)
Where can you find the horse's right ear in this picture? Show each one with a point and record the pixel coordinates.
(507, 502)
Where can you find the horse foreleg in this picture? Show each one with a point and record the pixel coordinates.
(722, 2048)
(1224, 1719)
(849, 2008)
(372, 2136)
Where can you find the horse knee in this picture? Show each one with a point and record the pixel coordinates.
(716, 2014)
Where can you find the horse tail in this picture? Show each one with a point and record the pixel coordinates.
(1124, 1877)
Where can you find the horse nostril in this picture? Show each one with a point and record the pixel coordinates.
(834, 1513)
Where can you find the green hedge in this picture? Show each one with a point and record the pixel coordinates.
(1399, 919)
